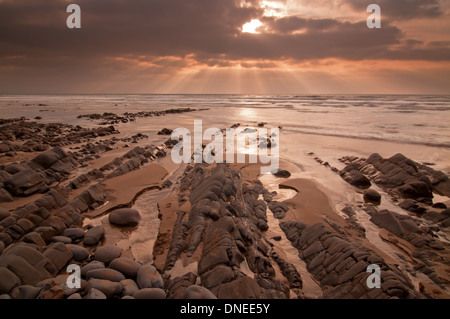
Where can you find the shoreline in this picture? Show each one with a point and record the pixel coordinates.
(194, 240)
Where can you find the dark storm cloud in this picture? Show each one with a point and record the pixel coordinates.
(33, 34)
(401, 9)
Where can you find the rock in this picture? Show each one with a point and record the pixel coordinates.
(129, 287)
(92, 265)
(356, 269)
(79, 253)
(198, 292)
(107, 253)
(109, 288)
(30, 265)
(58, 254)
(48, 158)
(25, 183)
(217, 276)
(126, 266)
(352, 176)
(387, 220)
(282, 173)
(149, 277)
(150, 293)
(8, 281)
(94, 294)
(165, 131)
(124, 217)
(4, 213)
(5, 196)
(94, 235)
(242, 288)
(61, 239)
(74, 233)
(25, 292)
(372, 196)
(107, 274)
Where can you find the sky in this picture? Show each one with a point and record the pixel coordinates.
(225, 47)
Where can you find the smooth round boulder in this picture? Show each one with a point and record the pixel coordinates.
(149, 277)
(79, 253)
(372, 196)
(129, 287)
(94, 235)
(74, 233)
(107, 253)
(282, 173)
(150, 293)
(92, 265)
(126, 266)
(198, 292)
(109, 288)
(106, 274)
(127, 217)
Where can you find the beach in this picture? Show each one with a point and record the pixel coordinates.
(91, 181)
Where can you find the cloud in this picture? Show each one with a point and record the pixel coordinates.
(401, 9)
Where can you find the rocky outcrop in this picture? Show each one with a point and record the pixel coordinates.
(341, 267)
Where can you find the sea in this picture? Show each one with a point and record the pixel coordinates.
(328, 125)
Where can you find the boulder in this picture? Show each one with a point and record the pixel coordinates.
(149, 277)
(387, 220)
(107, 274)
(47, 159)
(282, 173)
(124, 217)
(30, 265)
(74, 233)
(92, 265)
(150, 293)
(109, 288)
(25, 183)
(126, 266)
(94, 235)
(107, 253)
(25, 292)
(33, 238)
(58, 254)
(5, 196)
(129, 287)
(352, 176)
(198, 292)
(4, 213)
(372, 196)
(79, 253)
(8, 281)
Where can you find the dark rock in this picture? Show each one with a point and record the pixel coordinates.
(126, 266)
(387, 220)
(5, 196)
(109, 288)
(8, 281)
(124, 217)
(129, 287)
(107, 253)
(74, 233)
(79, 253)
(90, 266)
(25, 183)
(372, 196)
(198, 292)
(352, 176)
(107, 274)
(150, 293)
(94, 235)
(149, 277)
(282, 173)
(25, 292)
(58, 254)
(165, 131)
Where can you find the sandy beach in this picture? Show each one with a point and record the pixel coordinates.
(110, 199)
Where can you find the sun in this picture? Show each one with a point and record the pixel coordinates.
(252, 26)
